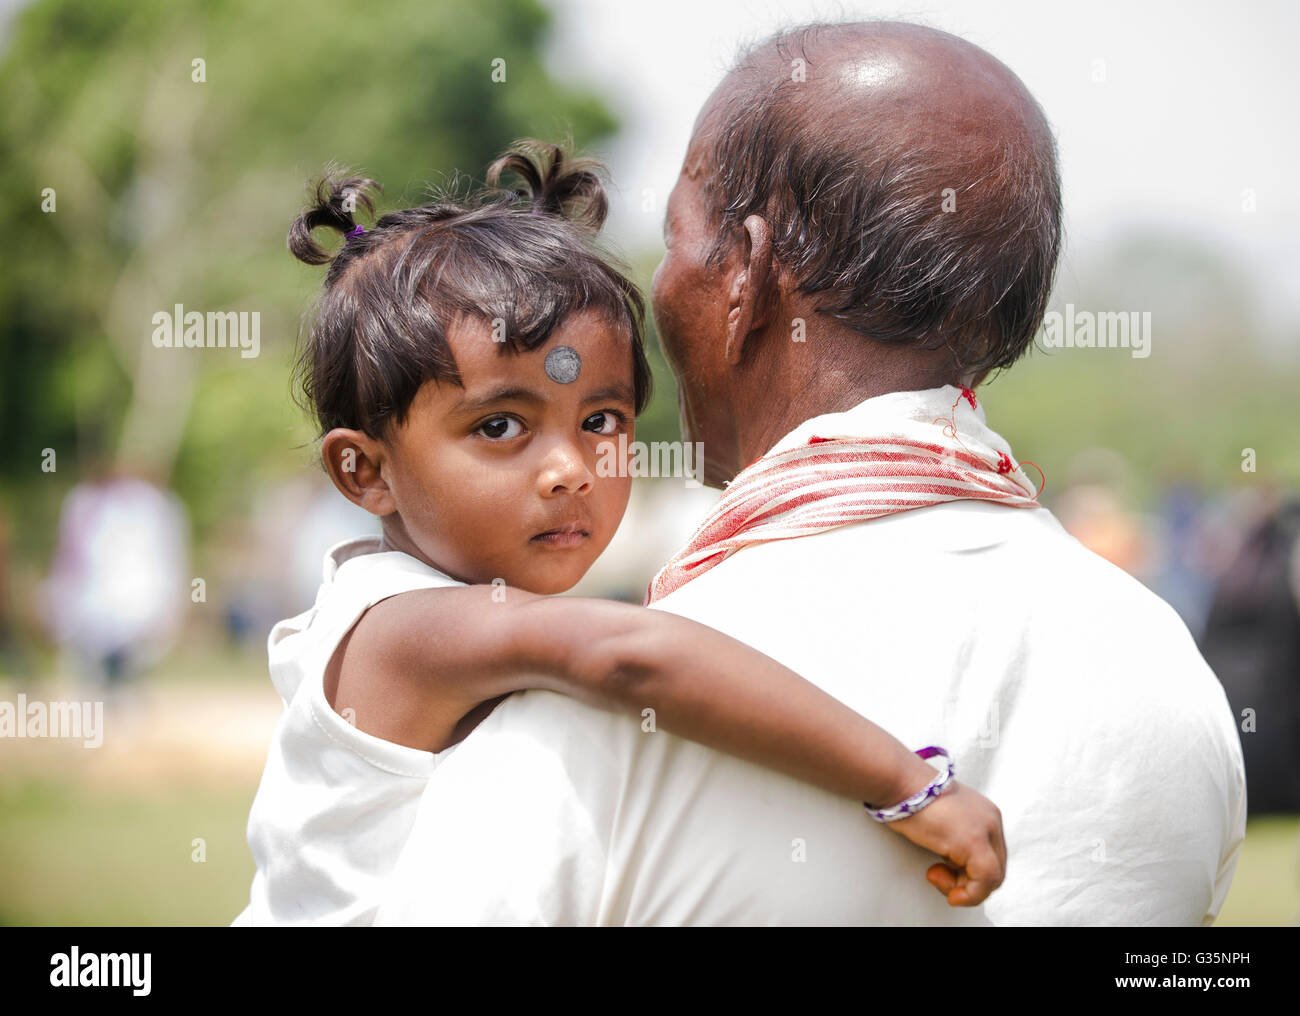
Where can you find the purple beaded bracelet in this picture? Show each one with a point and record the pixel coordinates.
(921, 798)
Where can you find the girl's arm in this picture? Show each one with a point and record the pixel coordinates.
(419, 665)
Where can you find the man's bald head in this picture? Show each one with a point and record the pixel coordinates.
(908, 177)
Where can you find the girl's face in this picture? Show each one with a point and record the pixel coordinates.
(515, 476)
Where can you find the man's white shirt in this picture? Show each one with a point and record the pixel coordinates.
(1065, 691)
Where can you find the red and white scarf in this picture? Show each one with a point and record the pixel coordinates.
(889, 454)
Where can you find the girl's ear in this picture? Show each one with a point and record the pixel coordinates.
(354, 462)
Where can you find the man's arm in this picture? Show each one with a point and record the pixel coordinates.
(1234, 833)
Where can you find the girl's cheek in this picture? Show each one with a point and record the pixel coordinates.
(616, 495)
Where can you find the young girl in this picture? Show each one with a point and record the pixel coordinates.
(469, 363)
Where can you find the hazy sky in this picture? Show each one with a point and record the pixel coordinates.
(1197, 105)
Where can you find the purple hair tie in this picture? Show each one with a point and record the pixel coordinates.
(922, 797)
(359, 231)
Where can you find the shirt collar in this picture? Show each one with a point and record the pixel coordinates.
(883, 414)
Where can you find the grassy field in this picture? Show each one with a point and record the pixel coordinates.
(70, 856)
(77, 856)
(149, 828)
(1266, 888)
(73, 857)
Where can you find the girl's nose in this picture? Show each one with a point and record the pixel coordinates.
(564, 471)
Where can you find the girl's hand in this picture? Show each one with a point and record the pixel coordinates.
(964, 828)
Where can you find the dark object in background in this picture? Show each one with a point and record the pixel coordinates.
(1252, 642)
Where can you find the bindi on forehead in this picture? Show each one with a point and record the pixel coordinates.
(563, 365)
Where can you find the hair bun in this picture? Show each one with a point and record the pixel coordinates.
(335, 199)
(555, 181)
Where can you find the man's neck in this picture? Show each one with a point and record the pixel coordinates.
(832, 388)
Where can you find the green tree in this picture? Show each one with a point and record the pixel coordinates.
(172, 142)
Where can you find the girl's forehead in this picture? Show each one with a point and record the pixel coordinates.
(584, 345)
(595, 353)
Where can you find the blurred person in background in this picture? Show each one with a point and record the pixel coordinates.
(1252, 641)
(1182, 572)
(118, 585)
(261, 580)
(1094, 509)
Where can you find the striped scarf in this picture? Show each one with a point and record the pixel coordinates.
(829, 473)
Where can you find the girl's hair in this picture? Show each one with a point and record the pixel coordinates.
(524, 259)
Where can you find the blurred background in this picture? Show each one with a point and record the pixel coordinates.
(160, 509)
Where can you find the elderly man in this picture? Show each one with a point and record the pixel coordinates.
(866, 224)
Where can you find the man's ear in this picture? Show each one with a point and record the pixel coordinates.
(353, 460)
(749, 303)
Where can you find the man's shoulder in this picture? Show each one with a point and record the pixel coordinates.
(932, 561)
(953, 593)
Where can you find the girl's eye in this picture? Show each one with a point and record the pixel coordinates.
(602, 423)
(501, 427)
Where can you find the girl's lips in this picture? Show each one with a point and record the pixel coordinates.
(570, 535)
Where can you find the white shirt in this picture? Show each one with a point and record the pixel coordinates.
(335, 804)
(1066, 692)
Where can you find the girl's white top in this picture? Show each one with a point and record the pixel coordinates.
(335, 805)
